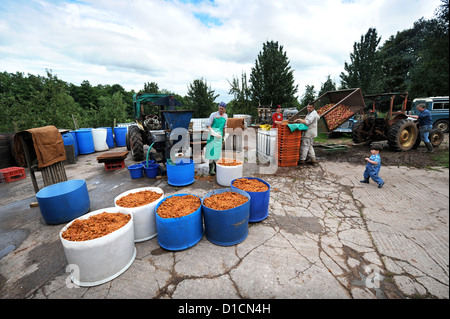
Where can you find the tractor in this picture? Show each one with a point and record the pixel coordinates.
(384, 118)
(156, 119)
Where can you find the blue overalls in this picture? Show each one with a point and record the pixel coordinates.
(373, 170)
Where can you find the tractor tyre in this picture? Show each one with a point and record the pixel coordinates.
(136, 143)
(402, 135)
(436, 137)
(360, 133)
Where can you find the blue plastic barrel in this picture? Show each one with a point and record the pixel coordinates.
(151, 170)
(120, 136)
(63, 202)
(68, 140)
(181, 232)
(180, 174)
(259, 204)
(109, 137)
(85, 141)
(226, 227)
(74, 136)
(136, 170)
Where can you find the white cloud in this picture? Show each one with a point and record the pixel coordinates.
(174, 42)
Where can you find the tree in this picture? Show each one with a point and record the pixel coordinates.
(309, 96)
(242, 102)
(329, 85)
(364, 71)
(272, 79)
(201, 99)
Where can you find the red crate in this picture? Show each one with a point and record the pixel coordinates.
(113, 165)
(12, 174)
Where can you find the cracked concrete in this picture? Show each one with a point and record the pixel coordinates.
(326, 236)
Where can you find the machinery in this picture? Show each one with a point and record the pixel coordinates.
(156, 124)
(385, 118)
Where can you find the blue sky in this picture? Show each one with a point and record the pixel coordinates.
(174, 42)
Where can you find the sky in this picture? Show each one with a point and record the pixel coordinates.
(174, 42)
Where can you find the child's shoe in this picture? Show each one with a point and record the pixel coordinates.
(380, 185)
(365, 181)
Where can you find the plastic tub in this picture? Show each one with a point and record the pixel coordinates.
(179, 233)
(136, 170)
(120, 135)
(85, 141)
(226, 227)
(151, 170)
(102, 259)
(225, 174)
(181, 174)
(109, 137)
(144, 216)
(63, 202)
(259, 204)
(99, 137)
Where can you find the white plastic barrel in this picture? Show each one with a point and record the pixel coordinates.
(226, 174)
(99, 136)
(144, 216)
(96, 261)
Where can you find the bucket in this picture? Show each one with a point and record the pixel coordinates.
(151, 170)
(149, 162)
(136, 170)
(259, 204)
(63, 202)
(109, 137)
(144, 216)
(101, 259)
(85, 141)
(119, 135)
(181, 174)
(225, 174)
(99, 137)
(226, 227)
(74, 136)
(179, 233)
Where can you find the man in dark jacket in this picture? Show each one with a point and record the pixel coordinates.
(425, 125)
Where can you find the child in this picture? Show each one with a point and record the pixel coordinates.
(373, 167)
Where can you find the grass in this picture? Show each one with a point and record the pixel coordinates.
(442, 158)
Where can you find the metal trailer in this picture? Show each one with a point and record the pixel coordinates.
(335, 108)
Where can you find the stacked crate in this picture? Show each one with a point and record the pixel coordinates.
(288, 146)
(11, 174)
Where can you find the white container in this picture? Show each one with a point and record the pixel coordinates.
(99, 136)
(102, 259)
(144, 216)
(226, 174)
(267, 142)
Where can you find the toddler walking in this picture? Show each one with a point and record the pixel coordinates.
(373, 167)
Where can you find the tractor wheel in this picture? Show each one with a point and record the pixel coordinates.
(436, 137)
(360, 133)
(136, 143)
(402, 135)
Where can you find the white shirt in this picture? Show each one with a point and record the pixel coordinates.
(213, 116)
(311, 119)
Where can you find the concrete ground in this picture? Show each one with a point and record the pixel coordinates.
(326, 236)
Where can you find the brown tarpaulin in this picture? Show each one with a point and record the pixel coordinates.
(48, 146)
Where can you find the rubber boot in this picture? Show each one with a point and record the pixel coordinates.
(365, 181)
(429, 147)
(212, 169)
